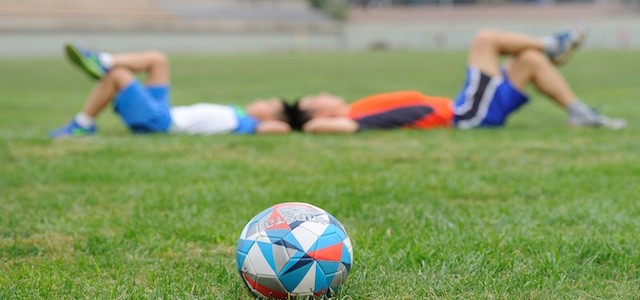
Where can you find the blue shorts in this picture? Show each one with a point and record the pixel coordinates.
(144, 109)
(486, 101)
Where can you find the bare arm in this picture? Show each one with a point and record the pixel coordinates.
(331, 125)
(273, 127)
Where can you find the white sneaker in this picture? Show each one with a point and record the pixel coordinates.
(598, 121)
(568, 42)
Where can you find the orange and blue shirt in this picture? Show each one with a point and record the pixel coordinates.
(403, 109)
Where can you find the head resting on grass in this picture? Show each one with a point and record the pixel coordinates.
(272, 111)
(295, 117)
(323, 105)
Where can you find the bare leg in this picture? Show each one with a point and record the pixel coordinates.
(122, 68)
(105, 89)
(529, 63)
(153, 63)
(532, 66)
(125, 65)
(489, 45)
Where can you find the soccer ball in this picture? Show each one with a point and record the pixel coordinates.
(294, 249)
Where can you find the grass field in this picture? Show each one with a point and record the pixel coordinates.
(535, 210)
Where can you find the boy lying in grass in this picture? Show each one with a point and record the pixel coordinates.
(492, 91)
(145, 107)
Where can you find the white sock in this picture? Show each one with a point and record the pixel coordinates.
(84, 120)
(550, 44)
(106, 60)
(577, 109)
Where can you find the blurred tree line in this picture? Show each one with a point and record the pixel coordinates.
(337, 9)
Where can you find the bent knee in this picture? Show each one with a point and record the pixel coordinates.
(532, 56)
(158, 58)
(484, 37)
(119, 76)
(118, 73)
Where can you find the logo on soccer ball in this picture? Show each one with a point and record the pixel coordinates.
(294, 249)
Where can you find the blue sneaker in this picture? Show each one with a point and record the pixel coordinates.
(568, 42)
(86, 60)
(72, 130)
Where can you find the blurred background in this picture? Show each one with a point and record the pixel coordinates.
(41, 27)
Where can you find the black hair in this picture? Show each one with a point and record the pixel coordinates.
(296, 118)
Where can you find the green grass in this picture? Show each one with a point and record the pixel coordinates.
(535, 210)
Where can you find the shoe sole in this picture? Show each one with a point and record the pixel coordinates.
(615, 124)
(564, 57)
(78, 59)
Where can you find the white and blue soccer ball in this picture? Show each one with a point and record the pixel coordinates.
(294, 249)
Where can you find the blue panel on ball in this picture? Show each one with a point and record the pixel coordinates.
(295, 264)
(346, 256)
(245, 245)
(267, 252)
(322, 282)
(292, 277)
(327, 241)
(335, 222)
(277, 234)
(292, 241)
(329, 267)
(288, 245)
(295, 224)
(329, 230)
(240, 257)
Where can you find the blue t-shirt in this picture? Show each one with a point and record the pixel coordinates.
(246, 123)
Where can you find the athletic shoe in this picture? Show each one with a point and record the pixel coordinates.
(568, 42)
(72, 130)
(86, 60)
(598, 120)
